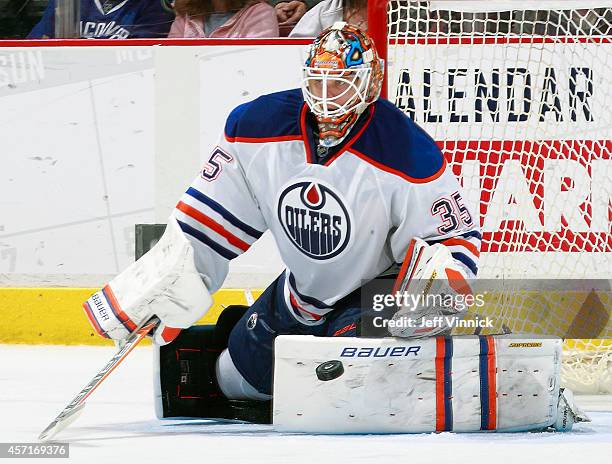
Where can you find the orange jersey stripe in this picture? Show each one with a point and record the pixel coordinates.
(464, 243)
(280, 138)
(211, 224)
(300, 308)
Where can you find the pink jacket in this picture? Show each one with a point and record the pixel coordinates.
(257, 20)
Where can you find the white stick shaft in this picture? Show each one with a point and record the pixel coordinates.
(71, 412)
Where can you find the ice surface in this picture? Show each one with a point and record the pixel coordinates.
(119, 425)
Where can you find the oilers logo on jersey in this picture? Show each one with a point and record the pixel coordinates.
(315, 219)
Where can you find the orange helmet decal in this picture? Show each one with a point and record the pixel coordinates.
(341, 77)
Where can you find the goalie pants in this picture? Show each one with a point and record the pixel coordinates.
(251, 342)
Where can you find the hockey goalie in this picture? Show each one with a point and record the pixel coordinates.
(350, 188)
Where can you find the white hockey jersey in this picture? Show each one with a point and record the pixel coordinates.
(338, 222)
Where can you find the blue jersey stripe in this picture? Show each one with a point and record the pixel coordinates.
(229, 217)
(198, 235)
(448, 384)
(305, 298)
(472, 234)
(484, 384)
(463, 258)
(467, 235)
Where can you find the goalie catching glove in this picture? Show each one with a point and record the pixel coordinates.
(431, 287)
(164, 283)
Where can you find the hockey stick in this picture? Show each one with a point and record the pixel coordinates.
(70, 413)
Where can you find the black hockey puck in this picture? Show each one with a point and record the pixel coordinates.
(329, 370)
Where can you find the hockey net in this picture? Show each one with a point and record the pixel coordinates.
(518, 95)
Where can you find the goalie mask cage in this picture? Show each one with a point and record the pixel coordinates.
(518, 95)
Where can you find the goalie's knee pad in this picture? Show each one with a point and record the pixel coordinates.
(185, 380)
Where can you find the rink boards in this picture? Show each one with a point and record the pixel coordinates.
(112, 121)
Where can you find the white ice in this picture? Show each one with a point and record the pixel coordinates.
(118, 424)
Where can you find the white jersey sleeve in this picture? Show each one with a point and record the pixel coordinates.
(435, 211)
(219, 214)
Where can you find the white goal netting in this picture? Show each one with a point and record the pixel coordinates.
(518, 94)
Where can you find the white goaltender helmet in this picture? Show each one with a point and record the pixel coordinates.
(340, 78)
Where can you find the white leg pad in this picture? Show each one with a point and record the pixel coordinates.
(390, 385)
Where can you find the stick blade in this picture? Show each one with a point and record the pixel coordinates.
(60, 423)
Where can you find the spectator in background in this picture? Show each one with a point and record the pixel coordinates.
(112, 19)
(327, 12)
(289, 12)
(223, 18)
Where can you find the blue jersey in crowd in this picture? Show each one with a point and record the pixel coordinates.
(102, 19)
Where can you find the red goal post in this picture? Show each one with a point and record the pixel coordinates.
(518, 94)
